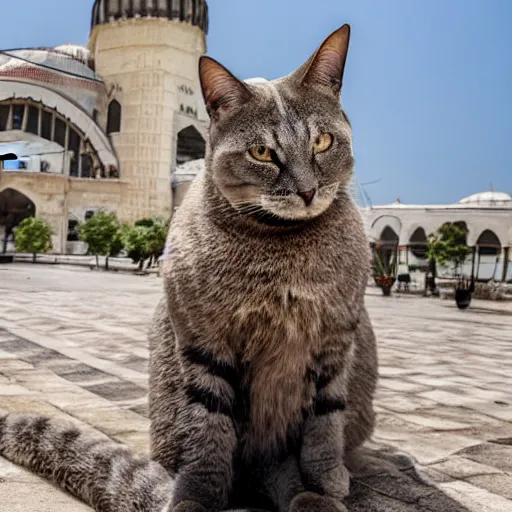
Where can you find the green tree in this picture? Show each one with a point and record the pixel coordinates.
(447, 247)
(136, 243)
(157, 237)
(146, 240)
(102, 233)
(33, 235)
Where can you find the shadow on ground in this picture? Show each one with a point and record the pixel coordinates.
(386, 481)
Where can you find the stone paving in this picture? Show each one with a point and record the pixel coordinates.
(73, 345)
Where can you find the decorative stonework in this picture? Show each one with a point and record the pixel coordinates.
(194, 12)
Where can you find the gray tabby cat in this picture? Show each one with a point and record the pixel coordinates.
(263, 359)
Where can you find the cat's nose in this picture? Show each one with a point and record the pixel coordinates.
(307, 196)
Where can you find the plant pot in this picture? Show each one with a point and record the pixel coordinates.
(462, 298)
(386, 291)
(385, 284)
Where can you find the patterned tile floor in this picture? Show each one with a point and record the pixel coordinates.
(73, 344)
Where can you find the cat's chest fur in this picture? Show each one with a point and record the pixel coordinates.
(273, 303)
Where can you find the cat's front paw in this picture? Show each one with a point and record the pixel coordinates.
(311, 502)
(188, 506)
(329, 478)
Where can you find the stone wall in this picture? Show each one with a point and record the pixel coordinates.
(57, 197)
(150, 67)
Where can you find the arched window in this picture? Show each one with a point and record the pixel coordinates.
(114, 117)
(191, 145)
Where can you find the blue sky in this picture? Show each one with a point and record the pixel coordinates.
(427, 83)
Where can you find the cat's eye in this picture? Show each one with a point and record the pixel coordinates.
(261, 153)
(322, 143)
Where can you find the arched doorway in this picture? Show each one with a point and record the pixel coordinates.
(191, 145)
(418, 244)
(14, 207)
(488, 248)
(388, 244)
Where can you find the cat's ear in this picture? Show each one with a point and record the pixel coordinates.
(325, 68)
(222, 91)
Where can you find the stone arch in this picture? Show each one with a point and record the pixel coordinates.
(387, 245)
(462, 225)
(378, 225)
(488, 243)
(388, 237)
(69, 110)
(114, 115)
(190, 145)
(418, 243)
(15, 206)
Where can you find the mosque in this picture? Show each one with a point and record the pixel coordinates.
(486, 217)
(102, 126)
(121, 125)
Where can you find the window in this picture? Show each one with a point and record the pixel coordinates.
(114, 117)
(73, 235)
(46, 128)
(89, 214)
(4, 117)
(33, 119)
(17, 116)
(74, 146)
(86, 166)
(60, 132)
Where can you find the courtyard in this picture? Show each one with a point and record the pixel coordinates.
(73, 344)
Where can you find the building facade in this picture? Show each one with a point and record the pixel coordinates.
(103, 126)
(486, 217)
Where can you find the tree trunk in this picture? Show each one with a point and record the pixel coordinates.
(97, 261)
(34, 256)
(150, 262)
(141, 265)
(106, 262)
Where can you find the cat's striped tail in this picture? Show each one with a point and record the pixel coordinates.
(100, 472)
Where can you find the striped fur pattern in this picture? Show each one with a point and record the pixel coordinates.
(263, 360)
(100, 472)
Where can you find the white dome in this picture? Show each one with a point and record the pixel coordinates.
(15, 62)
(489, 198)
(74, 50)
(256, 80)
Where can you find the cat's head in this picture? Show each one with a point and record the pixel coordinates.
(280, 150)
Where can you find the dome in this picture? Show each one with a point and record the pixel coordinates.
(76, 51)
(256, 80)
(194, 12)
(31, 62)
(488, 198)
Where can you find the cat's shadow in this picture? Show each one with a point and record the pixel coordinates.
(388, 481)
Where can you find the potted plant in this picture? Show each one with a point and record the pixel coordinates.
(384, 269)
(447, 246)
(463, 292)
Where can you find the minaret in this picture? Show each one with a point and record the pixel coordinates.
(147, 53)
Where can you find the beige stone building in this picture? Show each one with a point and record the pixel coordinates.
(103, 126)
(486, 217)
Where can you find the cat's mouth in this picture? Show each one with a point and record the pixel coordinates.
(267, 218)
